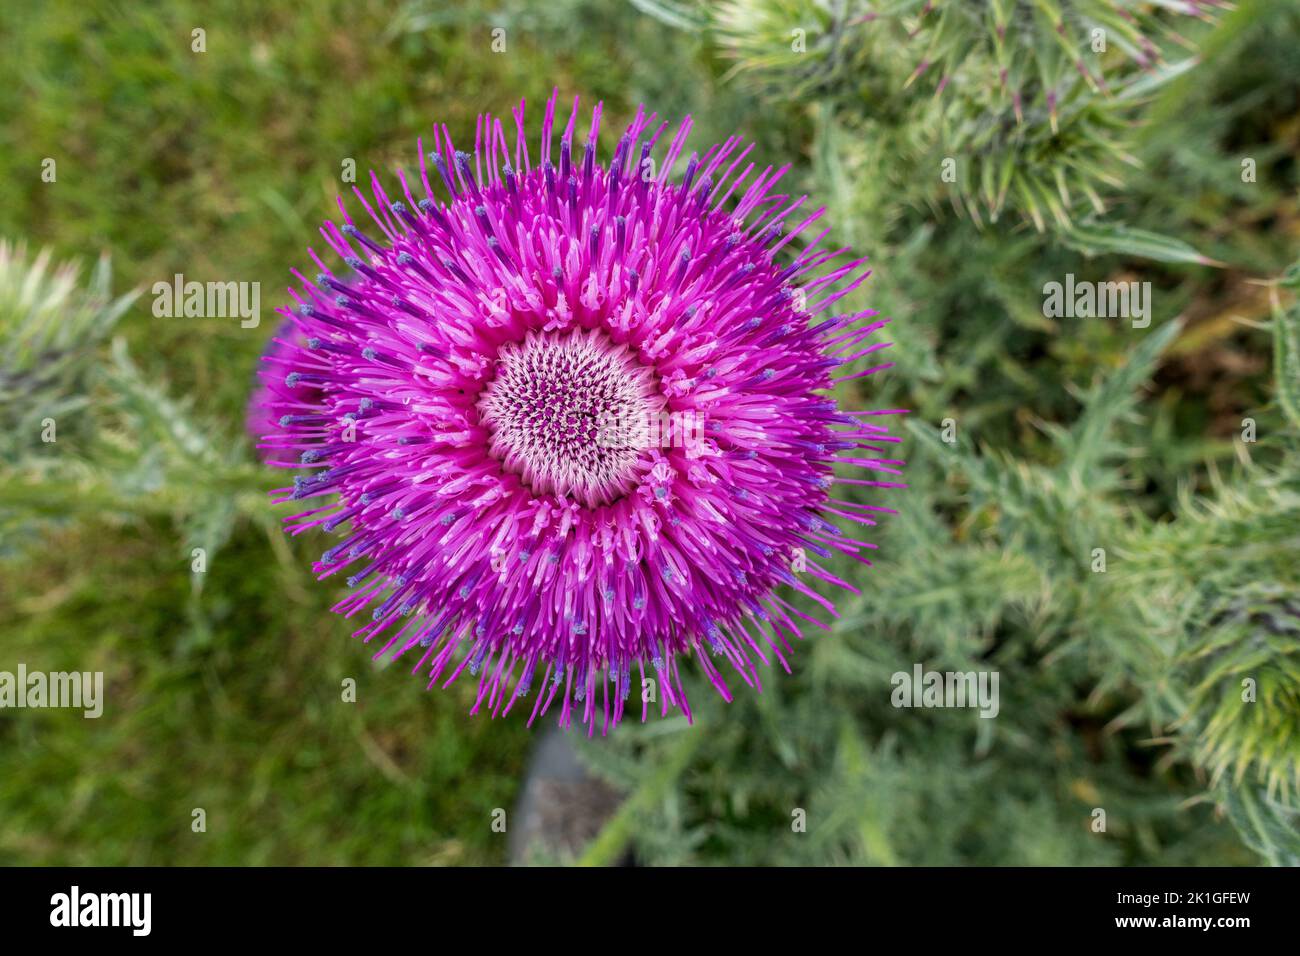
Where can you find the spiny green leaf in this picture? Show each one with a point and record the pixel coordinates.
(1085, 443)
(675, 13)
(1099, 239)
(1286, 351)
(1269, 827)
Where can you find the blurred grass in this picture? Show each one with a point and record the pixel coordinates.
(250, 726)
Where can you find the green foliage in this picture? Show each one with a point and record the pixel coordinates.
(49, 329)
(1286, 352)
(986, 105)
(1216, 591)
(1268, 827)
(1158, 637)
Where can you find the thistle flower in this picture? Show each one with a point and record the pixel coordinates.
(486, 366)
(272, 399)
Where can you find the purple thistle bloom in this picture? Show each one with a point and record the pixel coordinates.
(273, 400)
(575, 418)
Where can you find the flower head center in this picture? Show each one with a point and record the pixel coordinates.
(549, 408)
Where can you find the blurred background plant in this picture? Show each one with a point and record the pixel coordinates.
(1163, 691)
